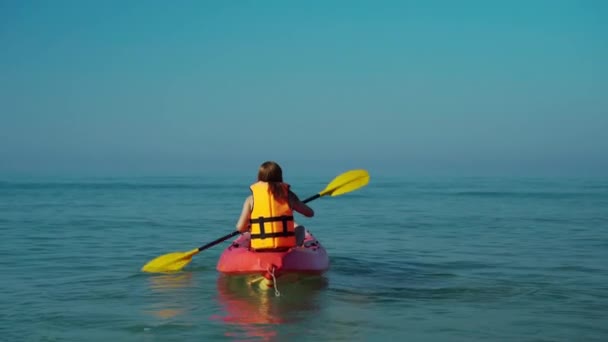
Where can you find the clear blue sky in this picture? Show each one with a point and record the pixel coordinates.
(406, 87)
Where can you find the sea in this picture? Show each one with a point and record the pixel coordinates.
(411, 258)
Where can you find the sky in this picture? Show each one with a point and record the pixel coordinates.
(395, 87)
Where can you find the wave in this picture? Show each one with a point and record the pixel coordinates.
(113, 186)
(528, 194)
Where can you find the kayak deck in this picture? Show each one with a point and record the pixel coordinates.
(238, 258)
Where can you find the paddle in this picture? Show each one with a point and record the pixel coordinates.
(171, 262)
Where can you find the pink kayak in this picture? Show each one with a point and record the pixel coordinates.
(309, 259)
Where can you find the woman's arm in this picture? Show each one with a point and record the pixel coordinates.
(243, 223)
(300, 207)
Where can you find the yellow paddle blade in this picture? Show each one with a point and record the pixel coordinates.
(346, 182)
(171, 262)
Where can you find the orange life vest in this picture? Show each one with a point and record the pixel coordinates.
(272, 224)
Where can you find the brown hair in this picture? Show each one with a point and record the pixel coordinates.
(271, 173)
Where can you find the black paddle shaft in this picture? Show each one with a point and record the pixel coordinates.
(311, 198)
(215, 242)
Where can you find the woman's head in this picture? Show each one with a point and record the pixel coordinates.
(270, 172)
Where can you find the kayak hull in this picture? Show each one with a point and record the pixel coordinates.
(239, 259)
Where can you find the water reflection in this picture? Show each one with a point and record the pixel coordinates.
(169, 281)
(171, 293)
(257, 313)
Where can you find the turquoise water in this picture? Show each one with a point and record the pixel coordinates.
(465, 259)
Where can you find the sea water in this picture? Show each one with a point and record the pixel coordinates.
(419, 259)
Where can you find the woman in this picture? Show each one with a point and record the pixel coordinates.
(268, 212)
